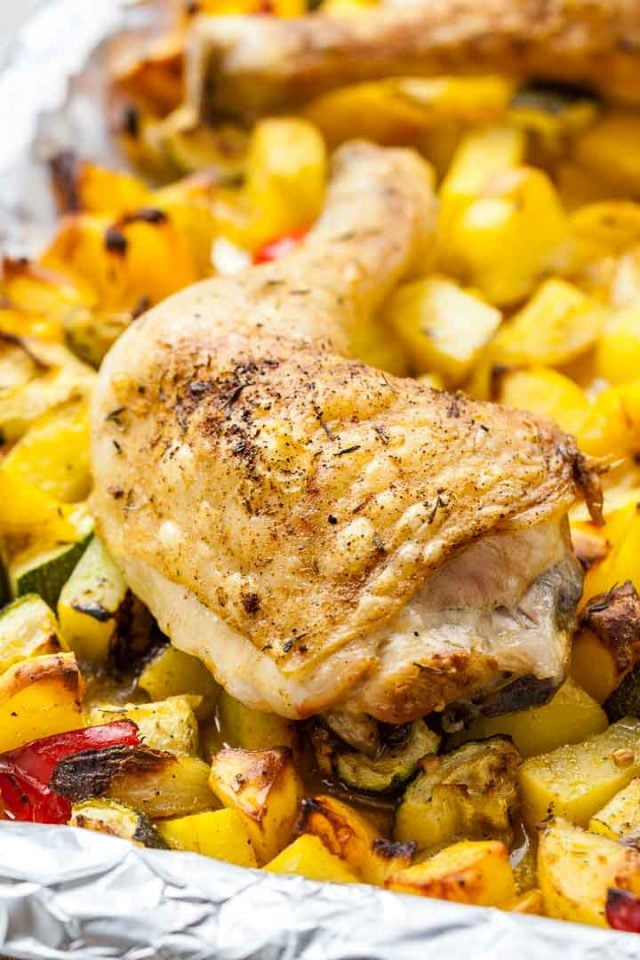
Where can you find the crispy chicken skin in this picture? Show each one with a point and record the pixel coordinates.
(320, 533)
(248, 66)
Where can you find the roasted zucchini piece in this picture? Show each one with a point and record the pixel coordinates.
(571, 716)
(470, 793)
(475, 872)
(252, 729)
(389, 770)
(308, 857)
(576, 869)
(576, 780)
(89, 604)
(168, 725)
(45, 570)
(156, 783)
(620, 818)
(349, 835)
(170, 672)
(264, 787)
(38, 698)
(221, 834)
(28, 628)
(118, 819)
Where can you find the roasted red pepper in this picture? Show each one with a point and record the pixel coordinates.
(26, 772)
(281, 247)
(623, 911)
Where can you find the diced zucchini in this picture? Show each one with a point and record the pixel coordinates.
(621, 816)
(470, 793)
(117, 819)
(576, 780)
(221, 834)
(170, 672)
(28, 628)
(163, 725)
(89, 604)
(252, 729)
(45, 571)
(392, 768)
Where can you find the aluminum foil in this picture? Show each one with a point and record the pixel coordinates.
(73, 893)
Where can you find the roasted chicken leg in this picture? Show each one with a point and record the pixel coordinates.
(248, 66)
(320, 534)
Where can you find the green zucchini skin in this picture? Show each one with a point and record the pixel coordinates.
(46, 575)
(118, 819)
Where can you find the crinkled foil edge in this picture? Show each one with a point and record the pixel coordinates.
(73, 893)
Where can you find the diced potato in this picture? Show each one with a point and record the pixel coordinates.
(264, 787)
(579, 187)
(470, 793)
(377, 345)
(621, 816)
(286, 177)
(53, 454)
(601, 230)
(170, 787)
(476, 872)
(557, 325)
(576, 869)
(39, 697)
(252, 729)
(170, 672)
(529, 902)
(164, 725)
(619, 566)
(349, 835)
(611, 149)
(90, 602)
(506, 240)
(221, 834)
(571, 716)
(612, 428)
(576, 780)
(308, 857)
(28, 628)
(442, 327)
(607, 646)
(617, 353)
(547, 392)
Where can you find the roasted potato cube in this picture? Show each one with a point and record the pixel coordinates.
(476, 872)
(529, 902)
(264, 786)
(28, 628)
(53, 454)
(571, 716)
(558, 324)
(470, 793)
(611, 149)
(443, 328)
(39, 697)
(621, 816)
(252, 729)
(576, 780)
(602, 230)
(308, 857)
(168, 725)
(506, 240)
(117, 819)
(349, 835)
(221, 834)
(607, 646)
(617, 353)
(576, 869)
(619, 566)
(285, 178)
(170, 672)
(545, 391)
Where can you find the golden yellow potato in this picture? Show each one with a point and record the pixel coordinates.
(221, 834)
(545, 391)
(308, 857)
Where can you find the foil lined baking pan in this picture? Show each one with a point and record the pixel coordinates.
(73, 893)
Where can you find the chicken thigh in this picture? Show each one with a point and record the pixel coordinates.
(321, 534)
(248, 66)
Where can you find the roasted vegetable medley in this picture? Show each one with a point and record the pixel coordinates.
(531, 299)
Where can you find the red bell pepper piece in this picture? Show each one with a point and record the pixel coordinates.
(280, 247)
(26, 772)
(623, 910)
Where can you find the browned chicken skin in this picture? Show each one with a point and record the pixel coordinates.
(322, 534)
(248, 66)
